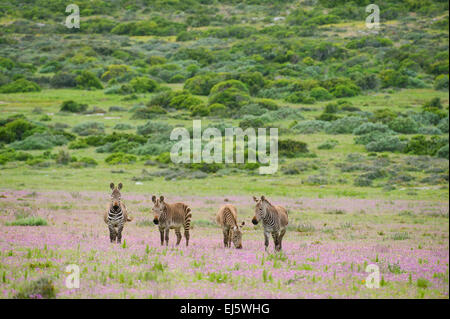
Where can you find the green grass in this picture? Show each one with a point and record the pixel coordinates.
(28, 221)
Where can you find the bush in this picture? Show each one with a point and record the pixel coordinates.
(345, 125)
(89, 128)
(320, 94)
(230, 84)
(120, 158)
(232, 98)
(291, 148)
(362, 181)
(39, 141)
(16, 130)
(311, 126)
(386, 143)
(154, 127)
(441, 82)
(200, 110)
(77, 144)
(143, 85)
(202, 84)
(404, 125)
(123, 126)
(63, 80)
(251, 121)
(87, 80)
(217, 109)
(148, 113)
(370, 127)
(443, 152)
(328, 145)
(74, 107)
(421, 145)
(348, 90)
(20, 86)
(443, 125)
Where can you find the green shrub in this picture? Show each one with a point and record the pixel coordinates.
(217, 109)
(16, 130)
(292, 148)
(89, 128)
(251, 121)
(20, 86)
(348, 90)
(28, 221)
(387, 142)
(154, 127)
(200, 110)
(404, 125)
(311, 126)
(328, 145)
(123, 126)
(120, 158)
(229, 84)
(232, 98)
(320, 94)
(39, 141)
(148, 113)
(77, 144)
(345, 125)
(441, 82)
(87, 80)
(370, 127)
(202, 84)
(421, 145)
(443, 125)
(143, 85)
(74, 107)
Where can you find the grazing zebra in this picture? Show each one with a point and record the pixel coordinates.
(274, 219)
(227, 219)
(171, 216)
(116, 215)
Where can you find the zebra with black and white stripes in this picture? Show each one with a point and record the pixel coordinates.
(274, 219)
(116, 215)
(171, 216)
(227, 219)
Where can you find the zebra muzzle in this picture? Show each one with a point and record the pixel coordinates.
(254, 221)
(155, 221)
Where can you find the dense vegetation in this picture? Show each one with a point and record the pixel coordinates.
(297, 65)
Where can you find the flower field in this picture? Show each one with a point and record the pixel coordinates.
(327, 247)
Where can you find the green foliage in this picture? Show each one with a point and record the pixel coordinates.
(120, 158)
(20, 86)
(143, 85)
(345, 125)
(89, 128)
(292, 148)
(155, 26)
(421, 145)
(72, 106)
(28, 221)
(404, 125)
(87, 80)
(39, 141)
(154, 128)
(441, 82)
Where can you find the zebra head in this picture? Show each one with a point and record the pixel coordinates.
(115, 195)
(260, 209)
(158, 208)
(236, 235)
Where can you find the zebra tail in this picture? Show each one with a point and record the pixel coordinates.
(187, 218)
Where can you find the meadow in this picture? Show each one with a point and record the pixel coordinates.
(362, 116)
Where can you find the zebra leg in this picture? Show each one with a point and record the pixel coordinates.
(229, 238)
(178, 233)
(266, 239)
(280, 238)
(225, 237)
(275, 240)
(186, 235)
(112, 233)
(161, 232)
(119, 234)
(167, 236)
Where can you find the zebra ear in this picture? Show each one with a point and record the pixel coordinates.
(111, 185)
(154, 199)
(255, 199)
(263, 198)
(119, 186)
(243, 223)
(161, 199)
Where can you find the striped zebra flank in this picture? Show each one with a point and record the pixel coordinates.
(116, 214)
(274, 220)
(171, 216)
(227, 219)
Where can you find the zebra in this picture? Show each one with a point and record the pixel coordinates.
(227, 219)
(274, 219)
(116, 214)
(171, 216)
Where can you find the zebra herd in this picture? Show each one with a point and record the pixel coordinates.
(178, 215)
